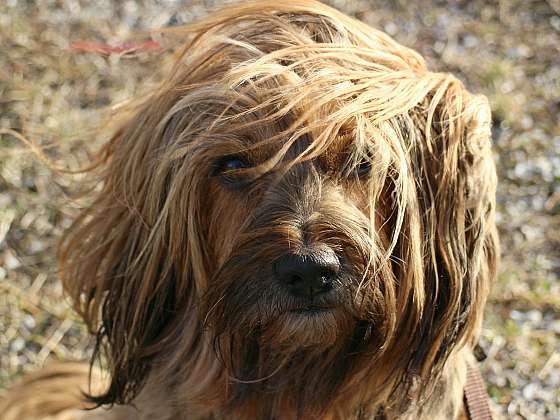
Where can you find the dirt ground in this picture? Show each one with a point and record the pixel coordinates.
(56, 93)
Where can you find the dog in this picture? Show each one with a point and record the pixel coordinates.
(298, 223)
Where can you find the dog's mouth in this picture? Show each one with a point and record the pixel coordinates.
(327, 305)
(315, 324)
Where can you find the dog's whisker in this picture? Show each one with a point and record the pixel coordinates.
(255, 381)
(212, 308)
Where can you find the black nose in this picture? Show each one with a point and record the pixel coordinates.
(308, 275)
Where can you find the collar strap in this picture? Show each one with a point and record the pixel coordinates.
(475, 395)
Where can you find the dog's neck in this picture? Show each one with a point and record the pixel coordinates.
(445, 402)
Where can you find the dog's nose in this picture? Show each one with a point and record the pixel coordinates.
(308, 275)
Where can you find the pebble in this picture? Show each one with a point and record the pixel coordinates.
(17, 344)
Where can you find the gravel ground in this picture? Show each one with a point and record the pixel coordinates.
(56, 94)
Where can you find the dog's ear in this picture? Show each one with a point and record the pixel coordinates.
(129, 260)
(456, 185)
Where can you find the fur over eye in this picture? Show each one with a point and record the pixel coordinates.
(363, 168)
(228, 168)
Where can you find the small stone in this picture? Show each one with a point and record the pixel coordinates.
(555, 22)
(517, 316)
(526, 122)
(534, 316)
(390, 28)
(17, 345)
(530, 391)
(29, 322)
(470, 41)
(10, 261)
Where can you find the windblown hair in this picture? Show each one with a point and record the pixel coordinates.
(346, 139)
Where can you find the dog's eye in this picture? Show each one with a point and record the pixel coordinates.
(233, 164)
(358, 165)
(228, 167)
(364, 168)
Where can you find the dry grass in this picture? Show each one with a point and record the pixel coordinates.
(55, 96)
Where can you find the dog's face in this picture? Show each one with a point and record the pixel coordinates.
(301, 198)
(291, 241)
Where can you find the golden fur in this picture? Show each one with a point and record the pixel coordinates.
(347, 142)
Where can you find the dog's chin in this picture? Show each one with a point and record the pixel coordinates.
(308, 327)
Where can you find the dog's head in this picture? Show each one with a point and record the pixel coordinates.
(301, 208)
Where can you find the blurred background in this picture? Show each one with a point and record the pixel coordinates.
(65, 63)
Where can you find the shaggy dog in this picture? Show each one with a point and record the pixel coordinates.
(297, 224)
